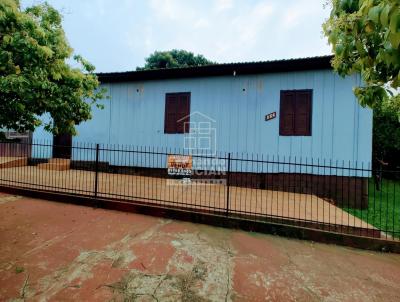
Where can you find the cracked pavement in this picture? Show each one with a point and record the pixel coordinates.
(61, 252)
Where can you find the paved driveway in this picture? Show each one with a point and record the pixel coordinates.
(62, 252)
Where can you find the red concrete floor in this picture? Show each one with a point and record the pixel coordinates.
(60, 252)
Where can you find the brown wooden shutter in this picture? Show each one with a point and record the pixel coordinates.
(287, 112)
(171, 105)
(302, 124)
(183, 113)
(177, 111)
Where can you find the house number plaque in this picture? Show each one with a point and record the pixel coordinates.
(270, 116)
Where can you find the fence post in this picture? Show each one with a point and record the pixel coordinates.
(96, 176)
(228, 183)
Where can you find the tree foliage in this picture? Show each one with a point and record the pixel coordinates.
(35, 77)
(173, 59)
(365, 38)
(386, 132)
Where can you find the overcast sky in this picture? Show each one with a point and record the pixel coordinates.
(116, 35)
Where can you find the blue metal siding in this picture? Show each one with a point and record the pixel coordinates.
(341, 128)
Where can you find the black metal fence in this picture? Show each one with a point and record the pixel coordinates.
(337, 196)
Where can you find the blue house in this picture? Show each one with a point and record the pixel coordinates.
(287, 108)
(287, 111)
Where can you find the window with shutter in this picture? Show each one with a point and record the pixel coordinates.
(295, 113)
(177, 111)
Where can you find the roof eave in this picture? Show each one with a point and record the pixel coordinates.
(303, 64)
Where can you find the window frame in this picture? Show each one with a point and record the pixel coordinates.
(294, 131)
(177, 130)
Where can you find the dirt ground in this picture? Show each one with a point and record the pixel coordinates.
(195, 195)
(61, 252)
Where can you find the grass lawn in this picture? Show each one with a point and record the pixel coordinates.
(383, 209)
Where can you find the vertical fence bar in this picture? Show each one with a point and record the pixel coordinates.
(96, 169)
(228, 183)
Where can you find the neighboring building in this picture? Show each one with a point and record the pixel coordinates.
(12, 150)
(317, 114)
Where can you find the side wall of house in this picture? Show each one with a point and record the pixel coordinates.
(237, 105)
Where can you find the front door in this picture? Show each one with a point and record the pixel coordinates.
(62, 146)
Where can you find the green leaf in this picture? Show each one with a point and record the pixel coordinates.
(394, 39)
(6, 39)
(395, 21)
(384, 16)
(360, 47)
(339, 49)
(365, 5)
(374, 13)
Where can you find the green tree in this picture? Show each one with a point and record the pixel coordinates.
(35, 77)
(365, 39)
(173, 59)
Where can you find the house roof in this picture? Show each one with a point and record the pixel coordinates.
(310, 63)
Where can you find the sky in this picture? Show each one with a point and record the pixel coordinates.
(117, 35)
